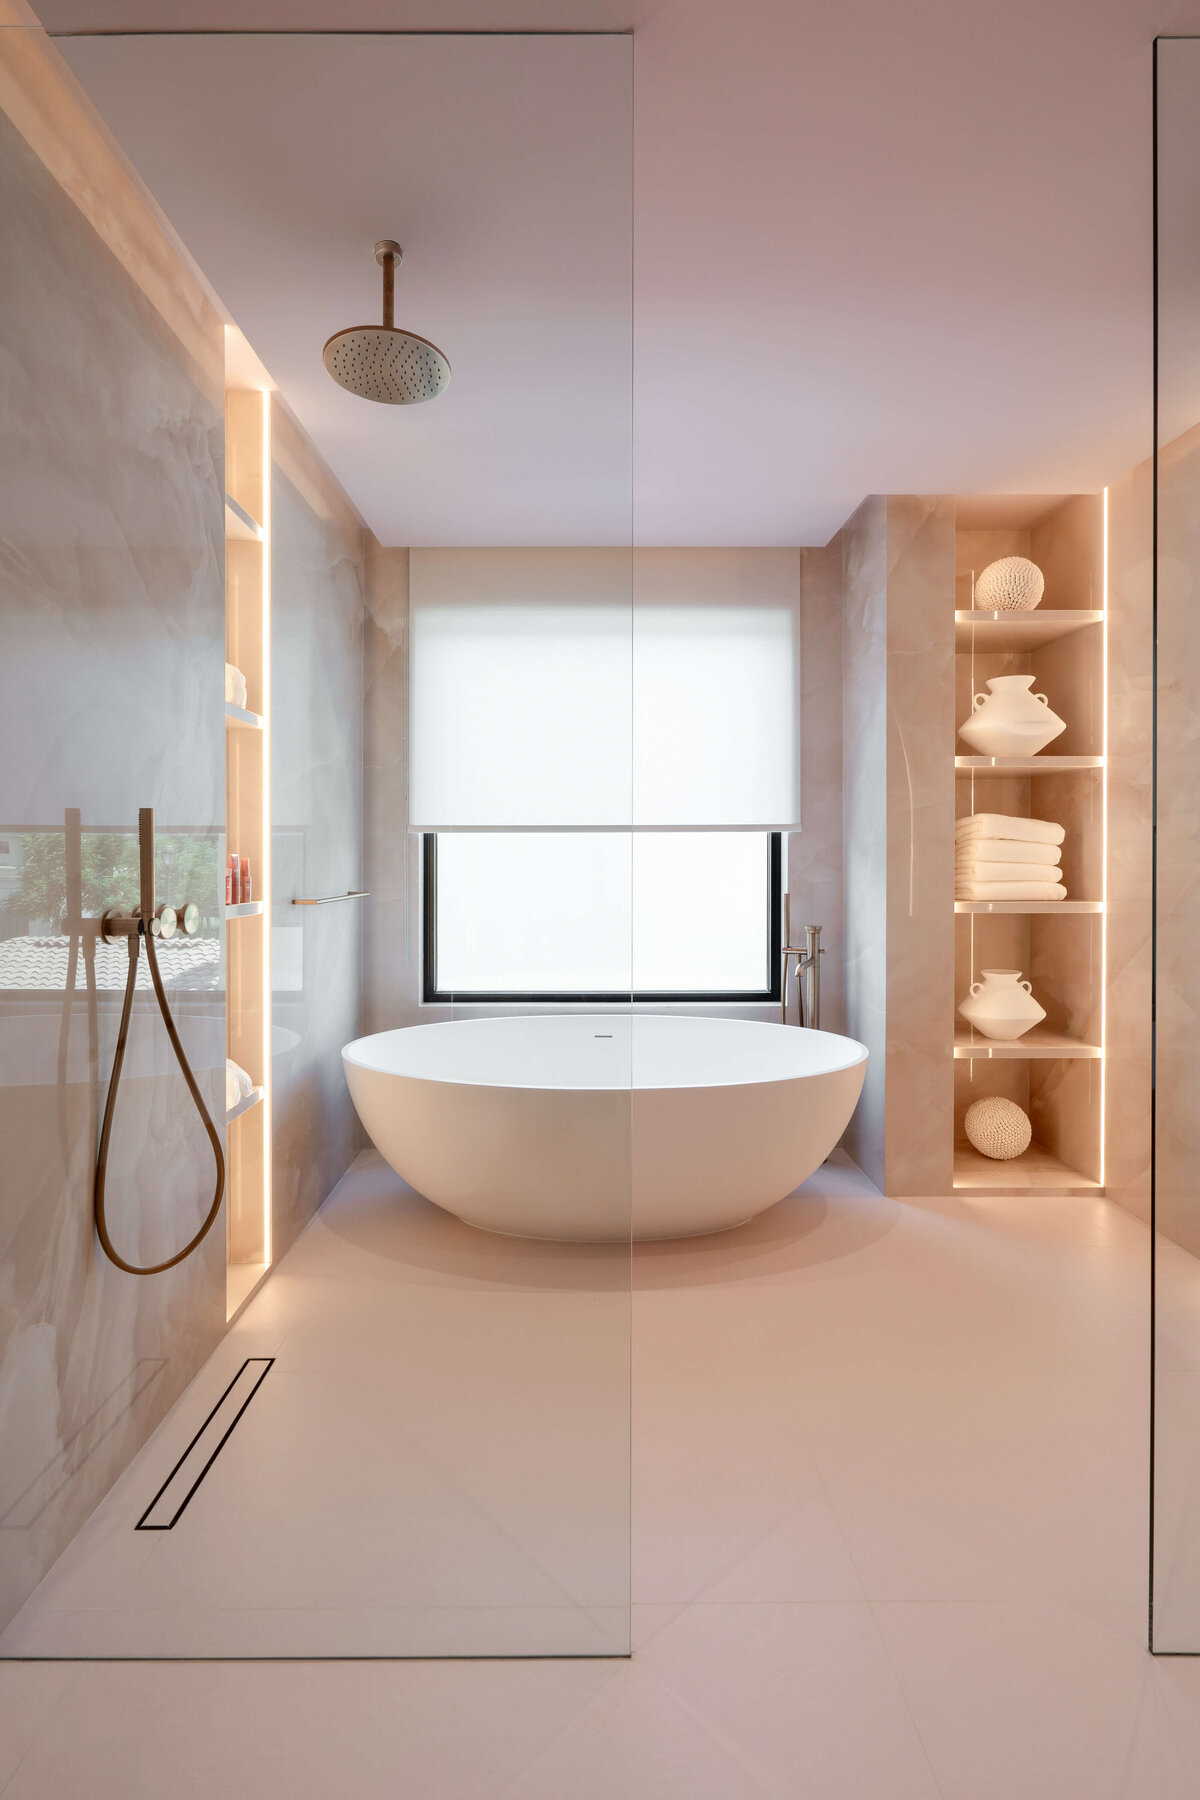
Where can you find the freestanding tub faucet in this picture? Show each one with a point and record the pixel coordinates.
(808, 970)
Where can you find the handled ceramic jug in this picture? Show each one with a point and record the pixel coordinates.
(1010, 721)
(1001, 1005)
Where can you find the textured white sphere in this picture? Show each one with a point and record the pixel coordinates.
(998, 1128)
(1014, 584)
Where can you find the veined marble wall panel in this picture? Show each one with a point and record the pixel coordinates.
(865, 817)
(814, 872)
(392, 944)
(898, 729)
(920, 843)
(112, 594)
(316, 825)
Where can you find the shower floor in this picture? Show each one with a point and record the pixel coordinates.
(889, 1520)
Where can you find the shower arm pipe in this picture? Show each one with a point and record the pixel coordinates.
(388, 255)
(146, 924)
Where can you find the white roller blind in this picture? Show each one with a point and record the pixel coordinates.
(577, 688)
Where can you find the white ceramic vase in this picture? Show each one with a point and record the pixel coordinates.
(1009, 720)
(1001, 1005)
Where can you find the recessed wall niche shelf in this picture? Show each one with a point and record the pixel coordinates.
(1025, 765)
(1055, 1073)
(1039, 1042)
(238, 715)
(1001, 632)
(1039, 1171)
(248, 834)
(240, 524)
(1029, 906)
(252, 1099)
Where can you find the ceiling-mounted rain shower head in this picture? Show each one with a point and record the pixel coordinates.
(378, 362)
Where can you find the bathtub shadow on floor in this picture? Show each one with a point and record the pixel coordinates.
(836, 1213)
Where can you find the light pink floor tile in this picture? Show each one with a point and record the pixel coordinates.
(257, 1731)
(1030, 1700)
(805, 1694)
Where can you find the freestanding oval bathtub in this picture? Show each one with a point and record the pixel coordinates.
(599, 1127)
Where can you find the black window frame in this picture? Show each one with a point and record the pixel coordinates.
(432, 995)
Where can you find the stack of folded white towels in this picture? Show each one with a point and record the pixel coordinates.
(235, 685)
(998, 858)
(238, 1085)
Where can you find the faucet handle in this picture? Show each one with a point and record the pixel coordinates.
(187, 918)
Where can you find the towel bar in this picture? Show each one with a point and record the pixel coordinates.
(328, 899)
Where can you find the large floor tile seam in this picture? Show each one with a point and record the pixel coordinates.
(42, 1727)
(591, 1703)
(905, 1698)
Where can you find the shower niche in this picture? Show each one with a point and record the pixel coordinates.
(1055, 1071)
(247, 837)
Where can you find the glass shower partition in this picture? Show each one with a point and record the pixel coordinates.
(433, 1455)
(1175, 1537)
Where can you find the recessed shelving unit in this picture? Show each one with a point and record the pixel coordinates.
(248, 834)
(1056, 1071)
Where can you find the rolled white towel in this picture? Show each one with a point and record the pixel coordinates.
(1014, 850)
(1005, 871)
(235, 685)
(1009, 890)
(237, 1084)
(1002, 825)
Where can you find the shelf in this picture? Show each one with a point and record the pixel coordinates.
(969, 1044)
(994, 633)
(1024, 765)
(1028, 906)
(239, 524)
(246, 909)
(237, 715)
(1037, 1172)
(241, 1279)
(244, 1106)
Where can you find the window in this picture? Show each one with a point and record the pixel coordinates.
(579, 915)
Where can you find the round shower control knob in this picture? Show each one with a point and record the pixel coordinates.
(163, 923)
(188, 918)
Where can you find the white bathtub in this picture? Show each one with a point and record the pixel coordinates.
(600, 1127)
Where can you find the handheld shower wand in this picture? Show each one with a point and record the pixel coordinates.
(146, 923)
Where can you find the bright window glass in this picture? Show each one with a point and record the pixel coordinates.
(531, 913)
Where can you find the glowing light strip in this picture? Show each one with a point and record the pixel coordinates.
(1104, 851)
(265, 845)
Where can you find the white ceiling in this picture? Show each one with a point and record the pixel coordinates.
(877, 248)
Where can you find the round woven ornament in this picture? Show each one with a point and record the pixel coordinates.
(998, 1128)
(1014, 584)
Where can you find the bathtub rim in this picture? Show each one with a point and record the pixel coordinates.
(541, 1087)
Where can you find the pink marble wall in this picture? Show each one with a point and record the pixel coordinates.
(898, 829)
(113, 609)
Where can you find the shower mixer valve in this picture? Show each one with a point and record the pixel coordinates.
(147, 919)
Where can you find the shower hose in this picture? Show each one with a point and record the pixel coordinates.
(110, 1107)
